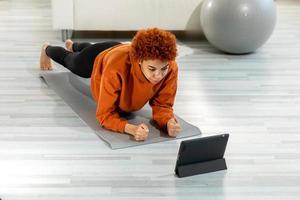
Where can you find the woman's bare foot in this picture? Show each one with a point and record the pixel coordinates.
(69, 44)
(45, 61)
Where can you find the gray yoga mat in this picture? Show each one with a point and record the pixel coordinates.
(75, 91)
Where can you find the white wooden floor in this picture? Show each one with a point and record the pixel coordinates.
(46, 152)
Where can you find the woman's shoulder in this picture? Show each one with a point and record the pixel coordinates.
(118, 54)
(116, 60)
(119, 51)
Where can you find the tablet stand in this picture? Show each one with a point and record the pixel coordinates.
(201, 167)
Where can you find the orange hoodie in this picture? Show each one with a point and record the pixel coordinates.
(119, 85)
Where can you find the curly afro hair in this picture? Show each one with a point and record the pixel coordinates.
(154, 43)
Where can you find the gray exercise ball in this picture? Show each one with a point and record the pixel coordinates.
(238, 26)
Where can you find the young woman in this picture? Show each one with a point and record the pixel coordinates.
(124, 77)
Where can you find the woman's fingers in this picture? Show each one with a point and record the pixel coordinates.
(140, 138)
(173, 122)
(173, 134)
(174, 125)
(145, 127)
(173, 128)
(142, 132)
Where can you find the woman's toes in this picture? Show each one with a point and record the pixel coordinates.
(45, 61)
(69, 44)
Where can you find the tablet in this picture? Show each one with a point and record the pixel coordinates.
(201, 155)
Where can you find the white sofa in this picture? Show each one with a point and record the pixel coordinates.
(125, 15)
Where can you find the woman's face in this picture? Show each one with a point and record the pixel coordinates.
(154, 70)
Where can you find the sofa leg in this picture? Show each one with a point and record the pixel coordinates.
(66, 34)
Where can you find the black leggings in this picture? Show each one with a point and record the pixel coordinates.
(80, 61)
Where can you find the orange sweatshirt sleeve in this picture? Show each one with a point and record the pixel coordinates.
(106, 112)
(163, 101)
